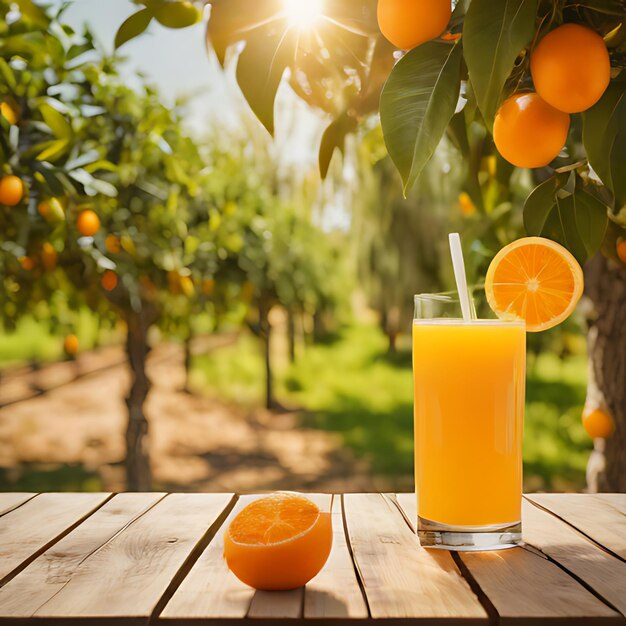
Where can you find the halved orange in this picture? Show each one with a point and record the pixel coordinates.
(534, 279)
(280, 541)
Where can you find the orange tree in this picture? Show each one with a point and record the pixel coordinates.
(270, 253)
(39, 146)
(111, 213)
(106, 202)
(536, 84)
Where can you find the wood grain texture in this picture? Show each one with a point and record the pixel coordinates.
(210, 589)
(401, 579)
(615, 500)
(335, 591)
(523, 586)
(408, 505)
(594, 516)
(605, 574)
(32, 527)
(48, 574)
(125, 579)
(10, 501)
(276, 605)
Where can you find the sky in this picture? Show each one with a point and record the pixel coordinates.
(177, 61)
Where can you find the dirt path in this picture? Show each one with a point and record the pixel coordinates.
(197, 443)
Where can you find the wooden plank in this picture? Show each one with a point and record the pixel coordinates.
(601, 571)
(126, 578)
(615, 500)
(601, 521)
(408, 506)
(10, 501)
(524, 587)
(210, 590)
(28, 530)
(400, 578)
(335, 591)
(48, 574)
(276, 604)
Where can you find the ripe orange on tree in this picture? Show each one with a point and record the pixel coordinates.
(49, 256)
(467, 206)
(598, 423)
(27, 263)
(112, 244)
(571, 68)
(278, 542)
(528, 132)
(208, 285)
(620, 248)
(70, 345)
(409, 23)
(11, 190)
(88, 223)
(109, 280)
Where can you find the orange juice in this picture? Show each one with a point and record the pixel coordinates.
(469, 407)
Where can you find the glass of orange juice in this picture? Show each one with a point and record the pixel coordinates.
(469, 379)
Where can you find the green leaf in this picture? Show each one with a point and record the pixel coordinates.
(458, 15)
(494, 33)
(59, 126)
(576, 220)
(334, 137)
(457, 132)
(132, 27)
(175, 14)
(34, 13)
(561, 226)
(541, 203)
(100, 165)
(232, 20)
(604, 138)
(52, 150)
(417, 103)
(77, 49)
(591, 220)
(260, 68)
(7, 74)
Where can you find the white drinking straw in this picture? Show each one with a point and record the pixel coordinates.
(459, 274)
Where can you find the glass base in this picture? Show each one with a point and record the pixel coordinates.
(468, 538)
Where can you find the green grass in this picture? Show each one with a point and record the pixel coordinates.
(353, 387)
(36, 341)
(53, 477)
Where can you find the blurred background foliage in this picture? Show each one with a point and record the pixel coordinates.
(215, 236)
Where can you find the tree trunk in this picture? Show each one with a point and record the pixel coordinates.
(318, 326)
(187, 346)
(392, 328)
(138, 476)
(291, 334)
(266, 333)
(605, 285)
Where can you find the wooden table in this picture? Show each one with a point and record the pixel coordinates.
(135, 558)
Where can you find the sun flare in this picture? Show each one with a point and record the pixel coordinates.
(302, 14)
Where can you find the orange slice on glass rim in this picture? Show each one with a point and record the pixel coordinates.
(534, 279)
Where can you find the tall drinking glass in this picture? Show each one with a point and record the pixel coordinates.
(469, 407)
